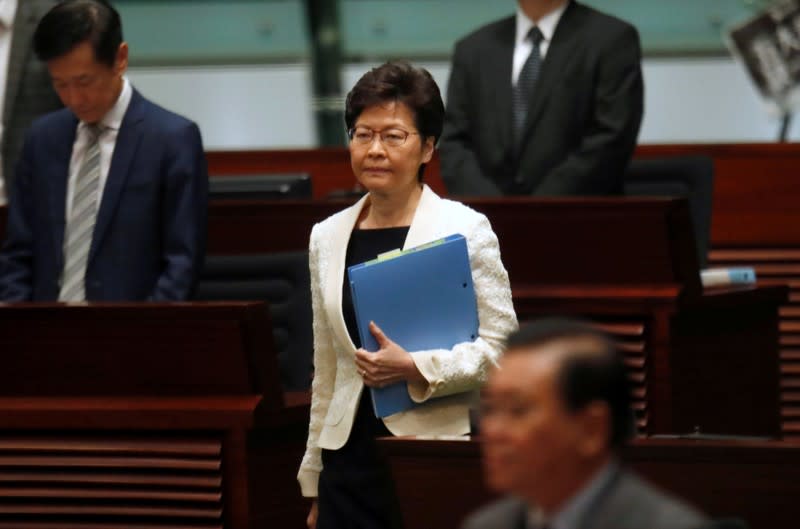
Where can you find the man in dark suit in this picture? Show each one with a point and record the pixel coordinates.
(28, 91)
(547, 102)
(110, 197)
(556, 413)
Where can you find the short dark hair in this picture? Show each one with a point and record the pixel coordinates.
(587, 374)
(73, 22)
(401, 82)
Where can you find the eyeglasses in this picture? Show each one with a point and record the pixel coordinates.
(389, 137)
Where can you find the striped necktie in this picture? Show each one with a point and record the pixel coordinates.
(81, 221)
(523, 90)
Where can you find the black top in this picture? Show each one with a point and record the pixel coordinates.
(365, 245)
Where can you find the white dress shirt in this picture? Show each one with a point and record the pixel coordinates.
(523, 46)
(8, 10)
(111, 123)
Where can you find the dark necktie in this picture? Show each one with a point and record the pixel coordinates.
(523, 90)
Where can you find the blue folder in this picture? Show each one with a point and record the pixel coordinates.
(422, 298)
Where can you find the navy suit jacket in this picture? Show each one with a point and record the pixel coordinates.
(150, 234)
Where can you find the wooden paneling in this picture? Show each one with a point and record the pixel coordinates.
(631, 339)
(183, 485)
(171, 349)
(710, 363)
(758, 481)
(146, 415)
(140, 459)
(754, 183)
(778, 266)
(652, 231)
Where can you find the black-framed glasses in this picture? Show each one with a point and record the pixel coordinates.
(389, 137)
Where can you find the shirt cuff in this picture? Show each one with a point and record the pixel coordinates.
(426, 364)
(309, 483)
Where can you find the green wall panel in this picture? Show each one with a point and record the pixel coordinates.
(378, 28)
(247, 31)
(412, 28)
(679, 27)
(214, 31)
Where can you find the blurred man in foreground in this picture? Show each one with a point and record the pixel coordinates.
(556, 414)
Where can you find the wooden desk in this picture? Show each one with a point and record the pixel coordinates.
(441, 482)
(708, 362)
(146, 415)
(742, 171)
(627, 263)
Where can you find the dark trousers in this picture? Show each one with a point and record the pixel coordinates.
(356, 490)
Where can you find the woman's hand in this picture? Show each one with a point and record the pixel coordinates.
(311, 519)
(389, 364)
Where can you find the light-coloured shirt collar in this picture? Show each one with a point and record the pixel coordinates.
(113, 118)
(576, 508)
(547, 24)
(8, 10)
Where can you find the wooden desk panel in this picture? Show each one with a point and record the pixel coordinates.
(181, 400)
(105, 349)
(755, 184)
(754, 190)
(709, 363)
(756, 481)
(146, 460)
(754, 195)
(643, 241)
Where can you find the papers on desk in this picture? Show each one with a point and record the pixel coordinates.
(721, 277)
(422, 298)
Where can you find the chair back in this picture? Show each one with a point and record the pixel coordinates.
(281, 279)
(680, 176)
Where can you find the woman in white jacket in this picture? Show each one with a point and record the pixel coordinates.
(394, 116)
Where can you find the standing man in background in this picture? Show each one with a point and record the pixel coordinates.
(110, 197)
(25, 88)
(546, 102)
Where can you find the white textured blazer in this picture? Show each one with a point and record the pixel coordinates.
(453, 376)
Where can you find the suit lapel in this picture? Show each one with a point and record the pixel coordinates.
(336, 270)
(128, 139)
(24, 25)
(61, 143)
(423, 226)
(422, 230)
(554, 65)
